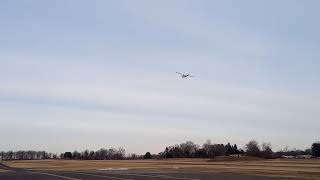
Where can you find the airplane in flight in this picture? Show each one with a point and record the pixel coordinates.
(184, 75)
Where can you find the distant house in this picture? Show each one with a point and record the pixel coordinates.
(297, 157)
(288, 157)
(235, 155)
(304, 156)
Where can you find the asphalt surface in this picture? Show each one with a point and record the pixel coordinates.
(18, 174)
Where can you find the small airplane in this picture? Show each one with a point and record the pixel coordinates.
(184, 75)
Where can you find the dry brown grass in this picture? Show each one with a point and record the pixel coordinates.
(231, 158)
(277, 167)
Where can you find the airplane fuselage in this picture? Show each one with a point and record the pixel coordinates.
(184, 75)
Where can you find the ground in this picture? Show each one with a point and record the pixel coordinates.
(2, 170)
(183, 169)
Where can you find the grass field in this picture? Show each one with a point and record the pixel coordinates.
(278, 167)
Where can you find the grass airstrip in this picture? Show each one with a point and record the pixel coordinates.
(300, 168)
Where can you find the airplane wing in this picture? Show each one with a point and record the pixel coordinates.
(191, 76)
(179, 73)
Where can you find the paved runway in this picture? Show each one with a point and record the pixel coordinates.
(15, 174)
(27, 175)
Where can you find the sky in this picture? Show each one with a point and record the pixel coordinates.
(90, 74)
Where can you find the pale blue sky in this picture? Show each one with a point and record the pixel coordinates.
(78, 74)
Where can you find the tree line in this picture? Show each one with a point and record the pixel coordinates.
(184, 150)
(101, 154)
(27, 155)
(252, 148)
(207, 150)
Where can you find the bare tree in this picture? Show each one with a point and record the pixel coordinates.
(267, 150)
(253, 148)
(206, 147)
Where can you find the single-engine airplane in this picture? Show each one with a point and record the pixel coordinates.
(184, 75)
